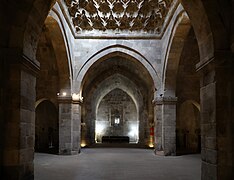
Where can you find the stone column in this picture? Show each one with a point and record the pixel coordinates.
(217, 96)
(65, 125)
(165, 125)
(76, 120)
(69, 126)
(18, 123)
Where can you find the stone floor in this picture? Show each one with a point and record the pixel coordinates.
(117, 164)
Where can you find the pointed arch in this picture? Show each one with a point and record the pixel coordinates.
(174, 50)
(121, 51)
(61, 50)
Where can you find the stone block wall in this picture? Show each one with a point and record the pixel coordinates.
(19, 119)
(46, 125)
(165, 125)
(117, 104)
(76, 127)
(65, 128)
(69, 126)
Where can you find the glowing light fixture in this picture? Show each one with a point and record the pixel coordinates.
(133, 132)
(99, 128)
(151, 142)
(151, 145)
(64, 93)
(77, 97)
(82, 144)
(117, 120)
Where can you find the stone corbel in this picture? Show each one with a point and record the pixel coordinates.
(164, 100)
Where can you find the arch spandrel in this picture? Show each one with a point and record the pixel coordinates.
(121, 51)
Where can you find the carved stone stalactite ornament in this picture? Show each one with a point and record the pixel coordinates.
(98, 23)
(118, 7)
(111, 23)
(85, 24)
(124, 22)
(153, 22)
(138, 24)
(82, 3)
(90, 8)
(118, 15)
(104, 7)
(73, 10)
(132, 7)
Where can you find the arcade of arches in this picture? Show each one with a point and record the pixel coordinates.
(151, 73)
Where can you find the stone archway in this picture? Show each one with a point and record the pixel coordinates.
(208, 27)
(209, 20)
(117, 115)
(61, 52)
(172, 58)
(188, 94)
(105, 87)
(188, 131)
(46, 127)
(165, 104)
(18, 53)
(119, 51)
(125, 75)
(54, 82)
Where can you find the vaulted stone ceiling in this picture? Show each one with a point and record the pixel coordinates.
(146, 16)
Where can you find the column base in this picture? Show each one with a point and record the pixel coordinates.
(68, 152)
(160, 153)
(164, 153)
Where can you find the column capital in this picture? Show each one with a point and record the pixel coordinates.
(65, 100)
(77, 98)
(164, 100)
(69, 100)
(80, 102)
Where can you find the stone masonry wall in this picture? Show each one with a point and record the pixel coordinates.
(117, 103)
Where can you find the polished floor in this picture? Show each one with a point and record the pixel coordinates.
(117, 164)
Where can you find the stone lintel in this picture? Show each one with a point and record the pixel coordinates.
(164, 100)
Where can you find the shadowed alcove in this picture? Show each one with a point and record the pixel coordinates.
(117, 101)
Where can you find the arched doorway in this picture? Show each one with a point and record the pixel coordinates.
(210, 21)
(188, 131)
(46, 128)
(188, 122)
(118, 77)
(53, 80)
(117, 116)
